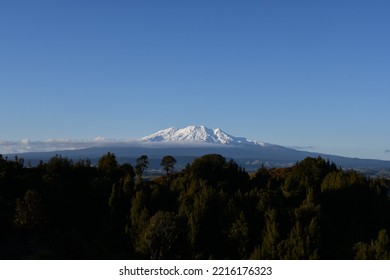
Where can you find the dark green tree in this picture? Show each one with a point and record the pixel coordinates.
(107, 163)
(239, 237)
(168, 164)
(160, 236)
(140, 167)
(29, 212)
(271, 238)
(116, 199)
(209, 168)
(378, 249)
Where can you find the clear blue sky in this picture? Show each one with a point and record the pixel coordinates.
(294, 73)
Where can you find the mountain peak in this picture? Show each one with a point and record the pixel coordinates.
(198, 134)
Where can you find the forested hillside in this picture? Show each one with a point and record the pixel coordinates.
(213, 209)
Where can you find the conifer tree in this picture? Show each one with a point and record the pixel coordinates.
(271, 238)
(29, 212)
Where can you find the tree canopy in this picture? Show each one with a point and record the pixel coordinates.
(212, 209)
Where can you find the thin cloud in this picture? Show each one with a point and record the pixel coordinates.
(302, 147)
(49, 145)
(387, 151)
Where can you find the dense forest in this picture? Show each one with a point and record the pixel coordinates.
(212, 209)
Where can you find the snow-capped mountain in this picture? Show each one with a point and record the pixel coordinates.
(184, 144)
(198, 134)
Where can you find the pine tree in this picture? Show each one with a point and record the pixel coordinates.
(29, 212)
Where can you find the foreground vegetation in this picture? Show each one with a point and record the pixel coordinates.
(213, 209)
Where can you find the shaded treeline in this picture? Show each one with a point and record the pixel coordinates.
(213, 209)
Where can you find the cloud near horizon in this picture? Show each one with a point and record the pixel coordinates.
(302, 147)
(50, 145)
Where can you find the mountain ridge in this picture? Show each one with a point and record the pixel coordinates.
(189, 143)
(198, 133)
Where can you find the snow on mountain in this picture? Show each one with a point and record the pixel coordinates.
(198, 134)
(193, 135)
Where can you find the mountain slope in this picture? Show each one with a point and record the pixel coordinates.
(193, 134)
(194, 141)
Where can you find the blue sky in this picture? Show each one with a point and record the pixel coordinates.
(295, 73)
